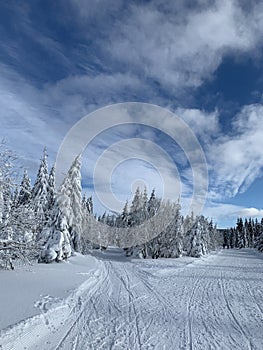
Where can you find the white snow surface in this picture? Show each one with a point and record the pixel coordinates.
(107, 301)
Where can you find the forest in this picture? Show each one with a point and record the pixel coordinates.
(41, 224)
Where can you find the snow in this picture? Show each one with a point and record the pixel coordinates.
(214, 302)
(23, 288)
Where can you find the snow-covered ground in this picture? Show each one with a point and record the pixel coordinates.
(116, 303)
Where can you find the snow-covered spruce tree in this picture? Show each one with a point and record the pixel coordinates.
(64, 233)
(51, 190)
(226, 238)
(90, 205)
(257, 232)
(214, 239)
(40, 196)
(24, 195)
(242, 241)
(153, 204)
(259, 243)
(58, 245)
(137, 215)
(71, 187)
(250, 232)
(232, 237)
(198, 238)
(124, 219)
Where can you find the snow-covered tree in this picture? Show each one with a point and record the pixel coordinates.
(40, 195)
(137, 208)
(199, 239)
(123, 220)
(58, 245)
(241, 234)
(259, 242)
(71, 187)
(24, 195)
(51, 193)
(153, 204)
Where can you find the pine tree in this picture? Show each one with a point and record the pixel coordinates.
(241, 234)
(51, 191)
(260, 237)
(40, 195)
(71, 187)
(24, 195)
(153, 204)
(250, 229)
(124, 219)
(90, 205)
(58, 245)
(136, 210)
(226, 239)
(232, 237)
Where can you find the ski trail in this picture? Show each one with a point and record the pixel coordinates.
(238, 325)
(189, 316)
(211, 303)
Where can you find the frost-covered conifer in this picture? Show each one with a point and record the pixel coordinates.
(24, 195)
(71, 187)
(58, 245)
(51, 189)
(40, 195)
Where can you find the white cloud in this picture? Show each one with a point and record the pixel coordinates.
(174, 46)
(236, 160)
(226, 214)
(204, 125)
(250, 212)
(183, 47)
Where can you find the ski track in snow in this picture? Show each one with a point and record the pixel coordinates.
(209, 303)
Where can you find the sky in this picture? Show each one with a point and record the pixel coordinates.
(201, 60)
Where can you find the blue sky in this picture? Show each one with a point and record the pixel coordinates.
(202, 60)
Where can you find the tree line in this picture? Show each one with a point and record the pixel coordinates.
(38, 222)
(247, 233)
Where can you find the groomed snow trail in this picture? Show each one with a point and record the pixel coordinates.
(209, 303)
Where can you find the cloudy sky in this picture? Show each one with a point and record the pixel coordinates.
(202, 60)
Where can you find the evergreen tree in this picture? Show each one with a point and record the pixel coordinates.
(124, 219)
(153, 204)
(136, 210)
(51, 190)
(58, 245)
(71, 187)
(40, 195)
(241, 234)
(232, 237)
(24, 195)
(250, 233)
(226, 239)
(260, 237)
